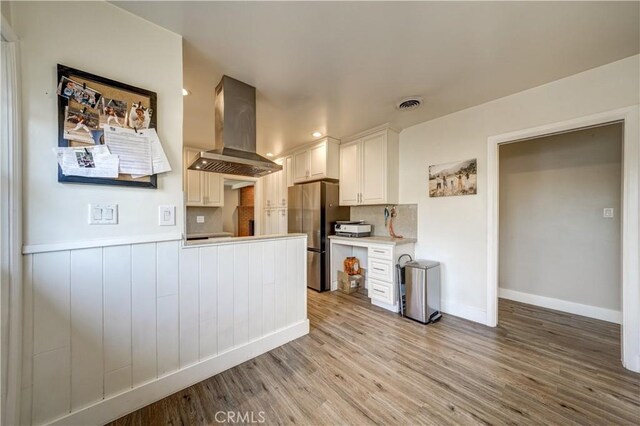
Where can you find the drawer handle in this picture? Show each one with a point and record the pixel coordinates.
(379, 269)
(379, 251)
(378, 291)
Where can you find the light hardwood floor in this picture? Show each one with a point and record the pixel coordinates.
(363, 365)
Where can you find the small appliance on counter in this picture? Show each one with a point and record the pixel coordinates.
(354, 229)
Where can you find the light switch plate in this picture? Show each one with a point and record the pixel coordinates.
(607, 212)
(199, 219)
(103, 214)
(167, 215)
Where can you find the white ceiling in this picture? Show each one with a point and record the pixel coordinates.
(341, 67)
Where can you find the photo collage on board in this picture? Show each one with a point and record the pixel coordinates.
(88, 111)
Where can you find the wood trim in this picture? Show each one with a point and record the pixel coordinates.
(112, 408)
(8, 34)
(74, 245)
(364, 133)
(630, 210)
(596, 312)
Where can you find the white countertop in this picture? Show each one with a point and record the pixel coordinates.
(375, 240)
(236, 240)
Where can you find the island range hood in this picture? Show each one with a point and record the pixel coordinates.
(235, 123)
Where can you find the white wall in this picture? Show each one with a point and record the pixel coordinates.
(453, 230)
(554, 241)
(102, 39)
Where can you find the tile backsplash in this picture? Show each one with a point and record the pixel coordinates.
(212, 220)
(405, 223)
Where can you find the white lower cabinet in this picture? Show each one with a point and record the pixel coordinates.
(378, 255)
(274, 221)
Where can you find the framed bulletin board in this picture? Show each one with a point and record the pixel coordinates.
(98, 101)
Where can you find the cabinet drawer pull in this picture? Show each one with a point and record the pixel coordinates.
(377, 290)
(379, 251)
(379, 269)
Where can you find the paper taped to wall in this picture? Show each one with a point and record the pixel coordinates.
(92, 161)
(160, 163)
(132, 148)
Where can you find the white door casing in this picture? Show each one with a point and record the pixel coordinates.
(630, 117)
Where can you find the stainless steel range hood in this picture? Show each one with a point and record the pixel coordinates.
(235, 120)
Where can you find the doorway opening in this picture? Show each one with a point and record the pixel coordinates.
(559, 222)
(630, 302)
(239, 207)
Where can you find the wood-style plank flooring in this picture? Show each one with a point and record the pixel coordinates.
(363, 365)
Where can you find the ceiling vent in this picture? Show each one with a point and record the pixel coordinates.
(409, 103)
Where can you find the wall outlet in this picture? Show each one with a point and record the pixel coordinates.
(167, 215)
(103, 214)
(607, 212)
(199, 219)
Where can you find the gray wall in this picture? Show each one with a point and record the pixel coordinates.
(405, 223)
(212, 220)
(554, 241)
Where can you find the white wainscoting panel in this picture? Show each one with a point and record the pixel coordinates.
(111, 329)
(86, 327)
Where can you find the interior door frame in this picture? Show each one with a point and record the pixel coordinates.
(630, 117)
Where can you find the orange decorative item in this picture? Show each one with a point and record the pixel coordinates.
(352, 266)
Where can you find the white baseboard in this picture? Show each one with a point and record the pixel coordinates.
(119, 405)
(470, 313)
(562, 305)
(387, 306)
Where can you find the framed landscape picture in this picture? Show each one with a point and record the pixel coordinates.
(456, 178)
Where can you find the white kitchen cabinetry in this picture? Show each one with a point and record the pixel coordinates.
(379, 256)
(318, 161)
(202, 189)
(275, 221)
(369, 168)
(275, 187)
(288, 168)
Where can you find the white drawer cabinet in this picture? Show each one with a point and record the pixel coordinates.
(318, 161)
(381, 252)
(369, 168)
(203, 189)
(381, 291)
(379, 256)
(381, 269)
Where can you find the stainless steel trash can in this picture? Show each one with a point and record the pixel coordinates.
(422, 287)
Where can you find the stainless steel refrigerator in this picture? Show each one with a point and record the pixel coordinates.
(313, 210)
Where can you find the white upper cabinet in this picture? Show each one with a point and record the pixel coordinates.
(369, 168)
(350, 173)
(202, 189)
(318, 161)
(288, 167)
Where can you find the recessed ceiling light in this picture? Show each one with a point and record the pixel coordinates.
(204, 161)
(197, 167)
(269, 154)
(185, 92)
(316, 134)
